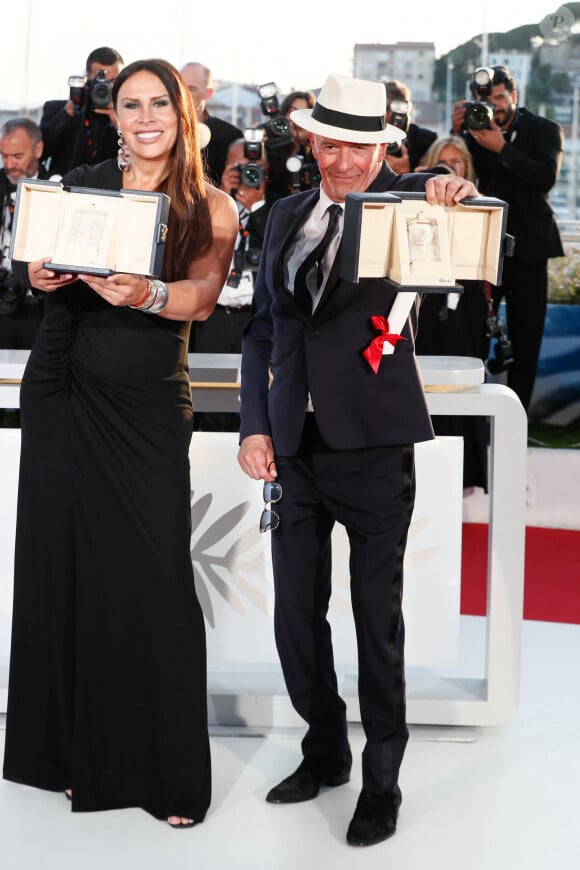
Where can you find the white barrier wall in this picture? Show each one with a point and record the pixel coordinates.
(460, 670)
(233, 567)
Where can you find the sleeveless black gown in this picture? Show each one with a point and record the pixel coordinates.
(107, 687)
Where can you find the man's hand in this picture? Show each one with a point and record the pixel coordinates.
(107, 110)
(256, 458)
(448, 189)
(457, 117)
(248, 196)
(491, 140)
(231, 183)
(401, 164)
(230, 177)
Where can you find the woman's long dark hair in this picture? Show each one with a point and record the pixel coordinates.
(190, 231)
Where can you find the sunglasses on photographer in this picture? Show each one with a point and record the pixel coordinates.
(272, 493)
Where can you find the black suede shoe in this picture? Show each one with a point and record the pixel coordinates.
(306, 781)
(375, 818)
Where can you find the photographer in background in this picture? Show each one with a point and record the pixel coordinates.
(82, 129)
(199, 81)
(517, 157)
(292, 102)
(245, 179)
(20, 308)
(405, 156)
(291, 165)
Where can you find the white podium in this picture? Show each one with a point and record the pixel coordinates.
(460, 670)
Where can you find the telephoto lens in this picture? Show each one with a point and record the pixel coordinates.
(478, 115)
(99, 91)
(251, 174)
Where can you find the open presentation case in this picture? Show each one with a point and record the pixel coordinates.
(97, 232)
(401, 237)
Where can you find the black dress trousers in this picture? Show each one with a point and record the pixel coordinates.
(370, 492)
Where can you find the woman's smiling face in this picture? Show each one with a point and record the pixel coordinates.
(146, 116)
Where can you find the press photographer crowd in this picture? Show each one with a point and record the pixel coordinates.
(510, 153)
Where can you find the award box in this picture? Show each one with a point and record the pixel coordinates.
(401, 237)
(97, 232)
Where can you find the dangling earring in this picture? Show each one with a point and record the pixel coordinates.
(123, 156)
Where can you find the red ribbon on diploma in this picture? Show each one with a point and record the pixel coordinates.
(374, 352)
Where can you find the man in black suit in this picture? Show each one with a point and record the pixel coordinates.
(77, 133)
(198, 79)
(21, 308)
(405, 156)
(349, 460)
(517, 159)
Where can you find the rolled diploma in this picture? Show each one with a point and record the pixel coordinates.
(398, 314)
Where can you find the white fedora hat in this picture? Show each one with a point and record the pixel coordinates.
(350, 110)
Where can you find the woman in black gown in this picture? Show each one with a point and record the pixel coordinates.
(107, 688)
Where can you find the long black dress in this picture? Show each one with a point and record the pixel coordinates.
(107, 688)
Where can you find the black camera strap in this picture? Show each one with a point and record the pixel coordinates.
(235, 275)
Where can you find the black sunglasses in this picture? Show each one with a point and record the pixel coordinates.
(271, 494)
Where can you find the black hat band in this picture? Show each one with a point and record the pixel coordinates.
(357, 123)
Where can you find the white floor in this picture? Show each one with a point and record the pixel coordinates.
(499, 798)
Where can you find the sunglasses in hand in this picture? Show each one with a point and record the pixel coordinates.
(272, 493)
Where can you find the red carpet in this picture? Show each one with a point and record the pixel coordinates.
(551, 576)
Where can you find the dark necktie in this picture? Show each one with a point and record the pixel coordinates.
(302, 294)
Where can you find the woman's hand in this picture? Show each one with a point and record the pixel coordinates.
(45, 279)
(119, 289)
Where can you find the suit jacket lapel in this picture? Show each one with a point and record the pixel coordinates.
(295, 220)
(332, 281)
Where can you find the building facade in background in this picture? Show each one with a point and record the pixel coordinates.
(411, 62)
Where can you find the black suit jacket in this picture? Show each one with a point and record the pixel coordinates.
(522, 175)
(417, 142)
(215, 153)
(285, 354)
(69, 143)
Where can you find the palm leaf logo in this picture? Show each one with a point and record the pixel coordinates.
(227, 558)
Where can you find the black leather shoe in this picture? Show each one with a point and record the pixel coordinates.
(375, 818)
(306, 781)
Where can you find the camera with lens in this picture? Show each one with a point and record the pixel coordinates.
(400, 117)
(253, 257)
(99, 91)
(478, 115)
(479, 111)
(246, 255)
(90, 94)
(252, 174)
(11, 293)
(501, 356)
(277, 127)
(304, 175)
